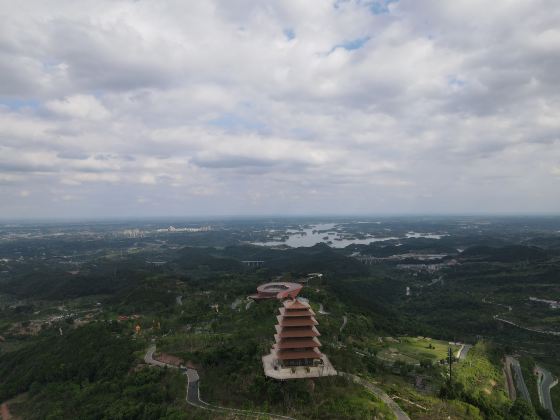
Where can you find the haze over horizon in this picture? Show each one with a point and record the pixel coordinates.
(240, 107)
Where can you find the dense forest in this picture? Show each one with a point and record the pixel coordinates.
(75, 323)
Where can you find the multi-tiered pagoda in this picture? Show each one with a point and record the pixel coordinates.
(296, 352)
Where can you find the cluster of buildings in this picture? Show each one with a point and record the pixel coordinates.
(133, 233)
(554, 304)
(139, 233)
(186, 229)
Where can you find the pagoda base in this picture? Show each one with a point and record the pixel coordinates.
(273, 370)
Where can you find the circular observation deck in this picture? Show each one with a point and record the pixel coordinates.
(277, 290)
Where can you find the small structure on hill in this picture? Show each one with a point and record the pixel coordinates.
(169, 359)
(296, 352)
(277, 290)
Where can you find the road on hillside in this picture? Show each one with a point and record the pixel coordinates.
(382, 395)
(519, 381)
(149, 358)
(465, 348)
(193, 398)
(193, 392)
(546, 381)
(512, 393)
(344, 321)
(498, 317)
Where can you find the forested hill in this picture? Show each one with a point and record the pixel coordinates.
(87, 374)
(512, 253)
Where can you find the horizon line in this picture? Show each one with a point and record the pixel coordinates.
(224, 217)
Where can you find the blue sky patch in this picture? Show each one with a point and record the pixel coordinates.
(14, 103)
(455, 81)
(381, 7)
(289, 34)
(355, 44)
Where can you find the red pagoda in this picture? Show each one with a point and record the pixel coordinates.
(296, 352)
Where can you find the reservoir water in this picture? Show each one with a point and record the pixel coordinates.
(322, 232)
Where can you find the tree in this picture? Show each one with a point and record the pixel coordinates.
(522, 410)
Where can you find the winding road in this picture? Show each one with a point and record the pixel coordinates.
(149, 358)
(463, 351)
(512, 393)
(382, 395)
(546, 381)
(498, 317)
(519, 381)
(344, 322)
(193, 391)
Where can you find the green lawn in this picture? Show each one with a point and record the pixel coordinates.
(420, 405)
(482, 377)
(412, 350)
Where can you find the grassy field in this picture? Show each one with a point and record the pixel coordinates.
(413, 350)
(421, 405)
(482, 377)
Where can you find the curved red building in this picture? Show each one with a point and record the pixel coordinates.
(277, 290)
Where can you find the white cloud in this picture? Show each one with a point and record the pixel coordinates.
(78, 106)
(241, 106)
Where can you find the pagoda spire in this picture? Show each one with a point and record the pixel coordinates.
(296, 351)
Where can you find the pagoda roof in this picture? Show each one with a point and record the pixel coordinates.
(296, 343)
(296, 322)
(294, 355)
(306, 331)
(295, 304)
(296, 312)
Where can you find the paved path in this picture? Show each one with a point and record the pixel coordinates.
(498, 317)
(519, 381)
(512, 393)
(322, 310)
(344, 321)
(193, 398)
(382, 395)
(179, 300)
(463, 351)
(546, 381)
(149, 358)
(506, 321)
(193, 392)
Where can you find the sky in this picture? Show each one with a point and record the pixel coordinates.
(240, 107)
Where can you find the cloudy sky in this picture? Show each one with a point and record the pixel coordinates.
(241, 107)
